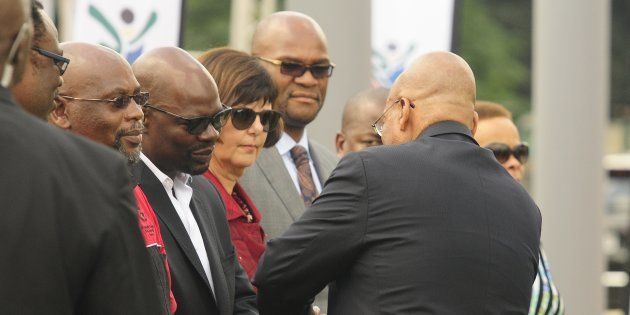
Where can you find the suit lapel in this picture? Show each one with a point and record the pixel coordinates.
(322, 174)
(272, 166)
(209, 233)
(164, 209)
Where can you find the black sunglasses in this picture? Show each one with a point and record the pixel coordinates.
(296, 69)
(121, 102)
(60, 61)
(243, 118)
(197, 125)
(502, 152)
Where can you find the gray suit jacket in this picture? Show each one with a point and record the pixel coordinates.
(433, 226)
(269, 185)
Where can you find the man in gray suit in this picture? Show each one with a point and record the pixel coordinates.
(292, 47)
(430, 225)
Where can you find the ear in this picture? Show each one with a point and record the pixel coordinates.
(473, 130)
(59, 115)
(405, 114)
(340, 139)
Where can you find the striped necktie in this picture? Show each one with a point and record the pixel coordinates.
(305, 178)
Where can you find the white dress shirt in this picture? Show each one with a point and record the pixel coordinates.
(181, 203)
(284, 146)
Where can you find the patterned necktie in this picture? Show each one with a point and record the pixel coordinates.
(305, 179)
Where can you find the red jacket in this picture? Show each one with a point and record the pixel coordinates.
(248, 238)
(150, 229)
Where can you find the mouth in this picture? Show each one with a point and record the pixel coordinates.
(304, 97)
(205, 152)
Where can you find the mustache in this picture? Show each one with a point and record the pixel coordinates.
(137, 128)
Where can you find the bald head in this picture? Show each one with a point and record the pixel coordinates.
(179, 87)
(170, 73)
(13, 16)
(441, 85)
(289, 26)
(360, 112)
(85, 105)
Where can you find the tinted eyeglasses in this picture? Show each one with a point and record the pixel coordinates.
(378, 124)
(243, 118)
(502, 152)
(197, 125)
(121, 102)
(60, 61)
(297, 69)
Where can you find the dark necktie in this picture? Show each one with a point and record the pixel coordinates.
(305, 178)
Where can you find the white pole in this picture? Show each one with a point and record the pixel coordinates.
(571, 97)
(242, 23)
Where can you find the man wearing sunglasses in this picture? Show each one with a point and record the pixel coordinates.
(497, 133)
(424, 224)
(42, 76)
(286, 178)
(101, 99)
(183, 118)
(70, 242)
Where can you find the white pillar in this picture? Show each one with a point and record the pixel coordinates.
(242, 23)
(347, 25)
(571, 96)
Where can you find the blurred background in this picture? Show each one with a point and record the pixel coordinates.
(517, 49)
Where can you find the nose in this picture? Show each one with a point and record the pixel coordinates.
(209, 135)
(134, 111)
(256, 127)
(514, 167)
(307, 79)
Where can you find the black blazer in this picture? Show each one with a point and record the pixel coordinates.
(192, 291)
(434, 226)
(69, 236)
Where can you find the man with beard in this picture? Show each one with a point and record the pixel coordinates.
(182, 119)
(42, 76)
(68, 233)
(100, 99)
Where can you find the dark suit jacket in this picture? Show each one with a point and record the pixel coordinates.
(193, 294)
(70, 242)
(434, 226)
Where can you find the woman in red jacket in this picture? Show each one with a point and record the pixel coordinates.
(245, 86)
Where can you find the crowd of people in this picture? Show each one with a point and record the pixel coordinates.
(182, 185)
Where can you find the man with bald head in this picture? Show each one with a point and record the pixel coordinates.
(101, 99)
(42, 76)
(70, 242)
(183, 119)
(428, 222)
(360, 111)
(293, 49)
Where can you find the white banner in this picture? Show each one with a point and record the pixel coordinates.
(129, 27)
(405, 29)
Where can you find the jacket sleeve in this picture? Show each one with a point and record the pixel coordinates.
(121, 282)
(318, 247)
(244, 295)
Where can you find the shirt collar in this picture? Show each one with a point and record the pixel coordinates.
(166, 181)
(286, 143)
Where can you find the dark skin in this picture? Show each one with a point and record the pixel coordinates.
(100, 73)
(12, 16)
(42, 77)
(295, 37)
(179, 84)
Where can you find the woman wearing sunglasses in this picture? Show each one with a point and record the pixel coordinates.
(245, 86)
(497, 133)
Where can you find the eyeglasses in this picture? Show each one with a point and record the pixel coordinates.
(378, 124)
(121, 102)
(502, 152)
(60, 61)
(297, 69)
(197, 125)
(243, 118)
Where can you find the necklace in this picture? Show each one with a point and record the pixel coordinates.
(243, 206)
